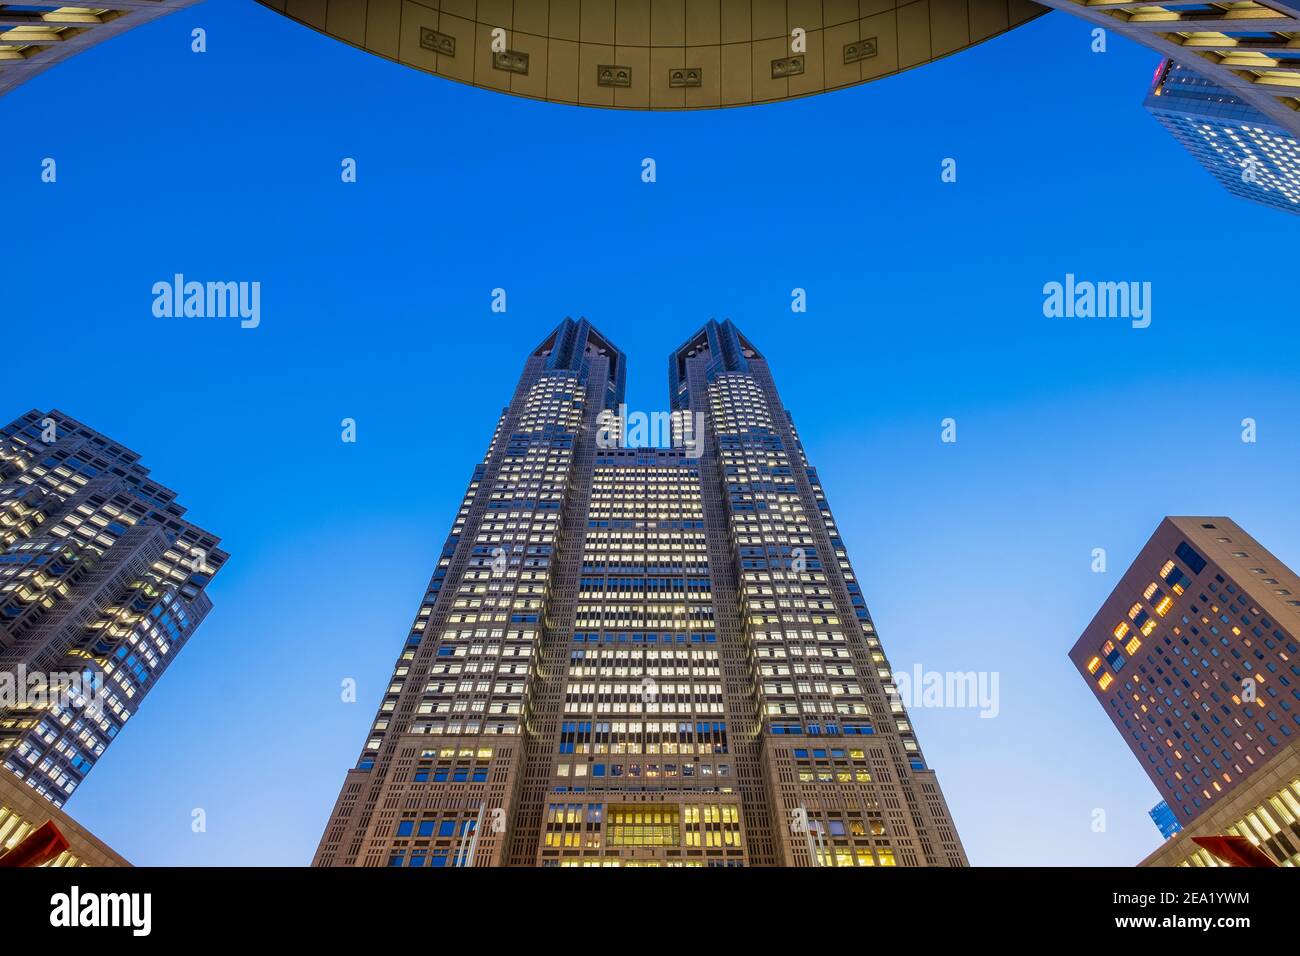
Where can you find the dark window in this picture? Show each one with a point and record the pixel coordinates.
(1190, 558)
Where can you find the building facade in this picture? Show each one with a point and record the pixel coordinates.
(102, 582)
(637, 656)
(1265, 809)
(22, 812)
(1251, 156)
(1195, 658)
(1245, 47)
(37, 36)
(661, 54)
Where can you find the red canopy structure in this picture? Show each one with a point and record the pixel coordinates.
(1232, 850)
(40, 846)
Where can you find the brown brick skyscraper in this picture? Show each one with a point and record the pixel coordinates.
(1194, 658)
(642, 656)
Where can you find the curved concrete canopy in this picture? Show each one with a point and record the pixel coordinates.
(661, 54)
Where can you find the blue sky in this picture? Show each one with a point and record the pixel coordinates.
(925, 302)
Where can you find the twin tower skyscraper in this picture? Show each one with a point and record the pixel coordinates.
(642, 656)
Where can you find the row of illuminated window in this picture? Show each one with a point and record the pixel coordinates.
(457, 728)
(1128, 635)
(474, 686)
(775, 708)
(785, 651)
(483, 707)
(811, 687)
(815, 668)
(650, 771)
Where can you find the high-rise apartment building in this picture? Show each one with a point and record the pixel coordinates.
(101, 583)
(1250, 155)
(642, 655)
(1195, 657)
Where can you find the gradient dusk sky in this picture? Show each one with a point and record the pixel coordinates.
(924, 302)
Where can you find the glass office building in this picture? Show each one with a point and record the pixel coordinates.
(1252, 157)
(1164, 819)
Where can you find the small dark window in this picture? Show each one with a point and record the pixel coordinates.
(1190, 558)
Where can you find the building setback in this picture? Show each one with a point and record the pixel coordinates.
(1195, 658)
(642, 656)
(101, 584)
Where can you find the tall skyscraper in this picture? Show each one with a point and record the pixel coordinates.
(37, 36)
(642, 656)
(1252, 157)
(1195, 658)
(101, 584)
